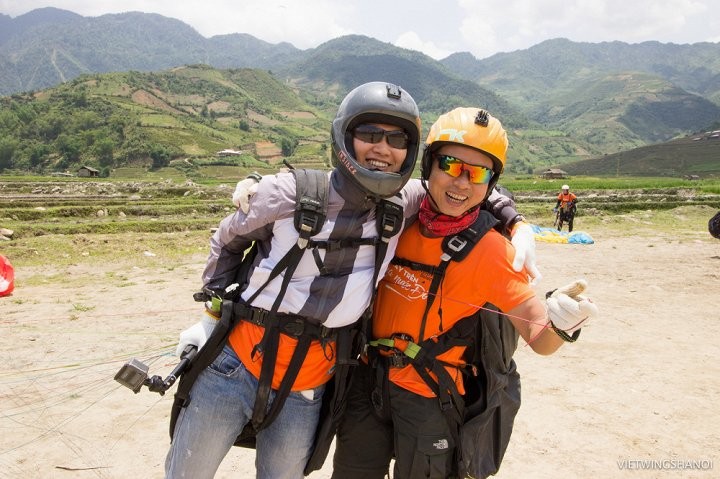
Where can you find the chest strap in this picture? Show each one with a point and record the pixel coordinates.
(290, 324)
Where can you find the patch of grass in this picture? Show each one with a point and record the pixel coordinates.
(578, 184)
(124, 249)
(82, 308)
(689, 222)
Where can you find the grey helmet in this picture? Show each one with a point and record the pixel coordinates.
(375, 102)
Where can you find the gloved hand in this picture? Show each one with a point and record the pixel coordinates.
(523, 239)
(555, 210)
(244, 190)
(568, 309)
(198, 333)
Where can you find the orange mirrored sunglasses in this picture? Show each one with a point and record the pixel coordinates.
(454, 167)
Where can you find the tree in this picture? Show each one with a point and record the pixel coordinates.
(38, 152)
(160, 155)
(104, 148)
(288, 146)
(70, 147)
(49, 126)
(8, 146)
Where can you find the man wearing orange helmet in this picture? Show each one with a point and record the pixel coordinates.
(408, 395)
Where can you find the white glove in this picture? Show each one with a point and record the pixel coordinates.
(244, 190)
(198, 333)
(523, 239)
(568, 309)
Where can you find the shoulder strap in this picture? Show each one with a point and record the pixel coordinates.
(389, 219)
(311, 202)
(456, 248)
(311, 193)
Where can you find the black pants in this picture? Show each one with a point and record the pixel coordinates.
(567, 217)
(406, 426)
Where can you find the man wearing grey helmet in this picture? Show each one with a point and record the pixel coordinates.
(376, 136)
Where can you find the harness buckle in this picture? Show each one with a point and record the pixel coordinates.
(259, 316)
(398, 360)
(456, 243)
(399, 357)
(445, 405)
(402, 337)
(294, 327)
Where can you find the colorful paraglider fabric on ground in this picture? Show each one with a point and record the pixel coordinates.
(551, 235)
(7, 276)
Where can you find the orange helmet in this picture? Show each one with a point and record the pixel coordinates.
(472, 127)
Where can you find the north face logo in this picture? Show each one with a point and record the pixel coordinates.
(441, 444)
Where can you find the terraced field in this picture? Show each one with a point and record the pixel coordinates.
(74, 206)
(71, 207)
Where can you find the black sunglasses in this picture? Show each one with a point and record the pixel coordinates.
(373, 134)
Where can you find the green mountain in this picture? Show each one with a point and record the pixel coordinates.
(561, 101)
(611, 96)
(697, 154)
(151, 119)
(48, 46)
(341, 64)
(556, 66)
(625, 110)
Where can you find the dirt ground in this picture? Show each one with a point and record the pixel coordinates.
(641, 384)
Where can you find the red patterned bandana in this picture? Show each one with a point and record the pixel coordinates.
(444, 225)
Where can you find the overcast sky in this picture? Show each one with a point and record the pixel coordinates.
(435, 27)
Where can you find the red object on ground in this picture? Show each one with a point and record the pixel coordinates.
(7, 276)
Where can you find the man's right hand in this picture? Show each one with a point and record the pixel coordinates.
(523, 240)
(568, 309)
(198, 333)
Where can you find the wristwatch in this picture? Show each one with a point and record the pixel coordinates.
(517, 219)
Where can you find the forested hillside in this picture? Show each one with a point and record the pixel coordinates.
(561, 101)
(188, 113)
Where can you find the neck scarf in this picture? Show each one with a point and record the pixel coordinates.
(444, 225)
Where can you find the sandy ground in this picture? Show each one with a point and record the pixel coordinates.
(641, 384)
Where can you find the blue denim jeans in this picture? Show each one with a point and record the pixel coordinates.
(221, 403)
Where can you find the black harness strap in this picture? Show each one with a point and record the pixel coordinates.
(204, 357)
(351, 342)
(310, 213)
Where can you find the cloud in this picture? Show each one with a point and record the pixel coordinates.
(482, 27)
(412, 41)
(498, 25)
(305, 24)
